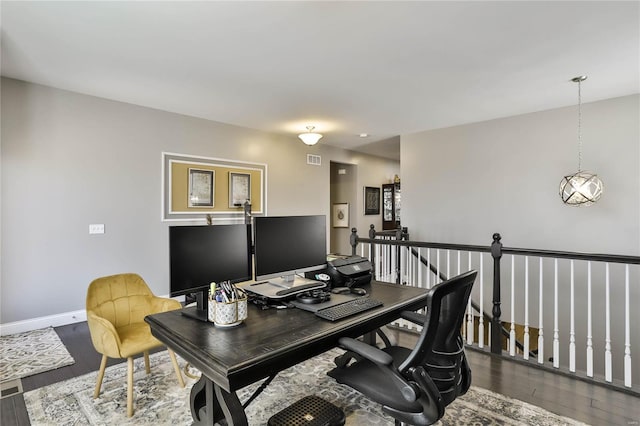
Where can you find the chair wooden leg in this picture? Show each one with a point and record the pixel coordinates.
(176, 367)
(130, 386)
(103, 365)
(146, 362)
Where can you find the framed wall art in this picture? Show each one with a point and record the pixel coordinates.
(340, 215)
(212, 189)
(239, 189)
(371, 200)
(201, 188)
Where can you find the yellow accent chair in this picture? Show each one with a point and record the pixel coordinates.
(116, 307)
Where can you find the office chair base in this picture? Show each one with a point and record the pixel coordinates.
(310, 411)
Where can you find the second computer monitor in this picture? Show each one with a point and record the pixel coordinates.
(289, 245)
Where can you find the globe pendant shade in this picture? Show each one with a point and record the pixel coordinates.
(581, 189)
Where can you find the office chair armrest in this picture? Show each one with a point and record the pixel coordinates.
(414, 317)
(369, 352)
(426, 384)
(163, 304)
(104, 335)
(384, 361)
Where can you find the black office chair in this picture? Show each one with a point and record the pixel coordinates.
(415, 385)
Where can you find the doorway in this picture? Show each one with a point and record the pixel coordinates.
(342, 188)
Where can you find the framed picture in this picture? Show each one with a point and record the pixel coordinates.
(371, 200)
(239, 189)
(200, 188)
(387, 194)
(341, 215)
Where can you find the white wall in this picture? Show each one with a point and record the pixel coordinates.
(462, 184)
(69, 160)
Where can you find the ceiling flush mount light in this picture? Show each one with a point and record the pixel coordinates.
(581, 188)
(310, 138)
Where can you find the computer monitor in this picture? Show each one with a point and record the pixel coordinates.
(289, 245)
(199, 255)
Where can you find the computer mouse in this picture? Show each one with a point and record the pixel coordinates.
(359, 291)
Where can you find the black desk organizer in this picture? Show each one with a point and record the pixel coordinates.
(309, 411)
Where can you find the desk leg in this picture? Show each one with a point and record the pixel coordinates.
(211, 404)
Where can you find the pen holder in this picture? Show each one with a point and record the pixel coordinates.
(228, 314)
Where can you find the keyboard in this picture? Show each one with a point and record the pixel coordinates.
(352, 307)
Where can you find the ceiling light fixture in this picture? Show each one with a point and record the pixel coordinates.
(581, 188)
(310, 137)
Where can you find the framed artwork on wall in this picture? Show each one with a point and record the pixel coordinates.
(340, 215)
(371, 200)
(211, 189)
(239, 189)
(201, 188)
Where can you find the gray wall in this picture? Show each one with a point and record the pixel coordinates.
(69, 160)
(462, 184)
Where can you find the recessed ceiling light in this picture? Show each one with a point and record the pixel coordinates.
(364, 135)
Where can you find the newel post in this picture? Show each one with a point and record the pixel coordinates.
(353, 240)
(372, 236)
(496, 325)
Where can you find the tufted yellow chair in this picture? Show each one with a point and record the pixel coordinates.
(116, 307)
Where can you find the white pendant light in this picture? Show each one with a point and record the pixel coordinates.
(581, 188)
(310, 138)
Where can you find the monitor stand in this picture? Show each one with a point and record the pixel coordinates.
(201, 310)
(291, 281)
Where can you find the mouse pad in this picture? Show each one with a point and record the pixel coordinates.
(336, 299)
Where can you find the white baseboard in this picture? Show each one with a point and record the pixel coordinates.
(43, 322)
(50, 321)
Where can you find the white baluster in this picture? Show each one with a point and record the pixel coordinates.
(627, 331)
(470, 316)
(469, 323)
(382, 255)
(391, 263)
(438, 265)
(448, 263)
(607, 345)
(404, 270)
(388, 260)
(556, 331)
(572, 328)
(481, 320)
(419, 263)
(429, 268)
(512, 332)
(526, 308)
(458, 262)
(540, 316)
(379, 271)
(589, 324)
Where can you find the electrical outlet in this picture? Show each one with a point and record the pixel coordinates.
(96, 228)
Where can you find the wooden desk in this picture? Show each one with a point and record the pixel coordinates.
(267, 342)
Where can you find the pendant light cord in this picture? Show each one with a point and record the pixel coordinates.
(579, 127)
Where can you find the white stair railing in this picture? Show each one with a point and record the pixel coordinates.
(595, 338)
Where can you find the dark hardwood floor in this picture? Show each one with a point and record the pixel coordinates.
(592, 404)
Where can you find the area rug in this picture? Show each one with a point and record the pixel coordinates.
(31, 352)
(160, 401)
